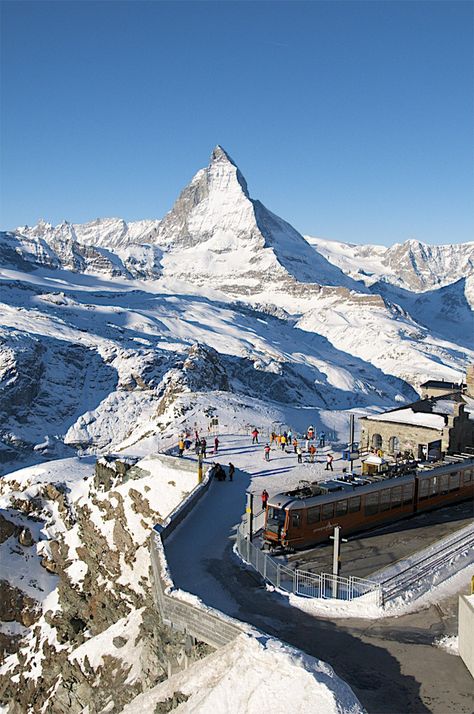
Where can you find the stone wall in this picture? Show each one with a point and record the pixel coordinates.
(409, 436)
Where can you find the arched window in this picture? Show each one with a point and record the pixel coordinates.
(376, 441)
(394, 445)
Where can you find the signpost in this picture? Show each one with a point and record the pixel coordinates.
(249, 511)
(336, 556)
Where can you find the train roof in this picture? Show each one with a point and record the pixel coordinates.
(338, 490)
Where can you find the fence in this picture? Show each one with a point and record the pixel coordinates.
(301, 582)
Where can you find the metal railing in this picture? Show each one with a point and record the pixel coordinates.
(302, 582)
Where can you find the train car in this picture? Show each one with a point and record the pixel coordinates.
(307, 516)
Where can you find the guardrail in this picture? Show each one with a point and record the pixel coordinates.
(302, 582)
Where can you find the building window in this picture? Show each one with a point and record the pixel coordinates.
(376, 441)
(394, 445)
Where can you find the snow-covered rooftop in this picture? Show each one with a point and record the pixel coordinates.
(409, 416)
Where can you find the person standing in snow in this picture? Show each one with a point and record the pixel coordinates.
(312, 453)
(180, 446)
(329, 460)
(267, 452)
(322, 439)
(283, 442)
(203, 447)
(295, 444)
(299, 454)
(264, 499)
(231, 471)
(197, 446)
(255, 433)
(216, 444)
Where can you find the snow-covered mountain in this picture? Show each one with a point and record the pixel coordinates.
(411, 265)
(100, 320)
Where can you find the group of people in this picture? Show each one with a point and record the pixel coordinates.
(289, 439)
(200, 444)
(219, 473)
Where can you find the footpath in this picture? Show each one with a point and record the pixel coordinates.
(391, 665)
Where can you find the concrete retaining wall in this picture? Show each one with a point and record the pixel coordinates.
(180, 610)
(466, 631)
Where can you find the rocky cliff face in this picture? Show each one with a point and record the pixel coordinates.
(78, 624)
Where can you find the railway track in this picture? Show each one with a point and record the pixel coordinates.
(427, 563)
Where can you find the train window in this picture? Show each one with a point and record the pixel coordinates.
(371, 503)
(396, 497)
(408, 493)
(341, 508)
(314, 514)
(296, 519)
(444, 483)
(467, 476)
(385, 500)
(454, 482)
(327, 511)
(434, 486)
(276, 514)
(354, 504)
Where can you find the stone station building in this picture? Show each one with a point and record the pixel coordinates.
(437, 424)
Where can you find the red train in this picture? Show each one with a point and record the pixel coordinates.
(307, 515)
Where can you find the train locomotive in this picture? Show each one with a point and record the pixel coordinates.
(307, 515)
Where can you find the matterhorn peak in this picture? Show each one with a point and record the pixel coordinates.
(220, 154)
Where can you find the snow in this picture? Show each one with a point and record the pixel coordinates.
(102, 645)
(409, 416)
(249, 672)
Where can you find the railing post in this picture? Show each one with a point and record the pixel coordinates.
(249, 511)
(265, 566)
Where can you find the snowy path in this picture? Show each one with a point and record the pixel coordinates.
(388, 665)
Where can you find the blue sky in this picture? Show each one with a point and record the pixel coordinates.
(351, 120)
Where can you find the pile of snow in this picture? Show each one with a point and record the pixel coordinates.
(247, 674)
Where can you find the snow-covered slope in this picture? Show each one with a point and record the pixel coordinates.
(116, 307)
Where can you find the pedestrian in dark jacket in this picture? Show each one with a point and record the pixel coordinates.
(231, 471)
(264, 499)
(216, 444)
(203, 447)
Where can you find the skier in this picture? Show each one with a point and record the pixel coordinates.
(216, 444)
(283, 442)
(255, 433)
(295, 444)
(329, 460)
(267, 452)
(322, 439)
(203, 447)
(180, 446)
(299, 454)
(312, 453)
(231, 471)
(264, 499)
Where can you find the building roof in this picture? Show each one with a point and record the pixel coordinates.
(409, 416)
(441, 384)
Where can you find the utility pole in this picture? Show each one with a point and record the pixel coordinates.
(249, 511)
(351, 437)
(336, 556)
